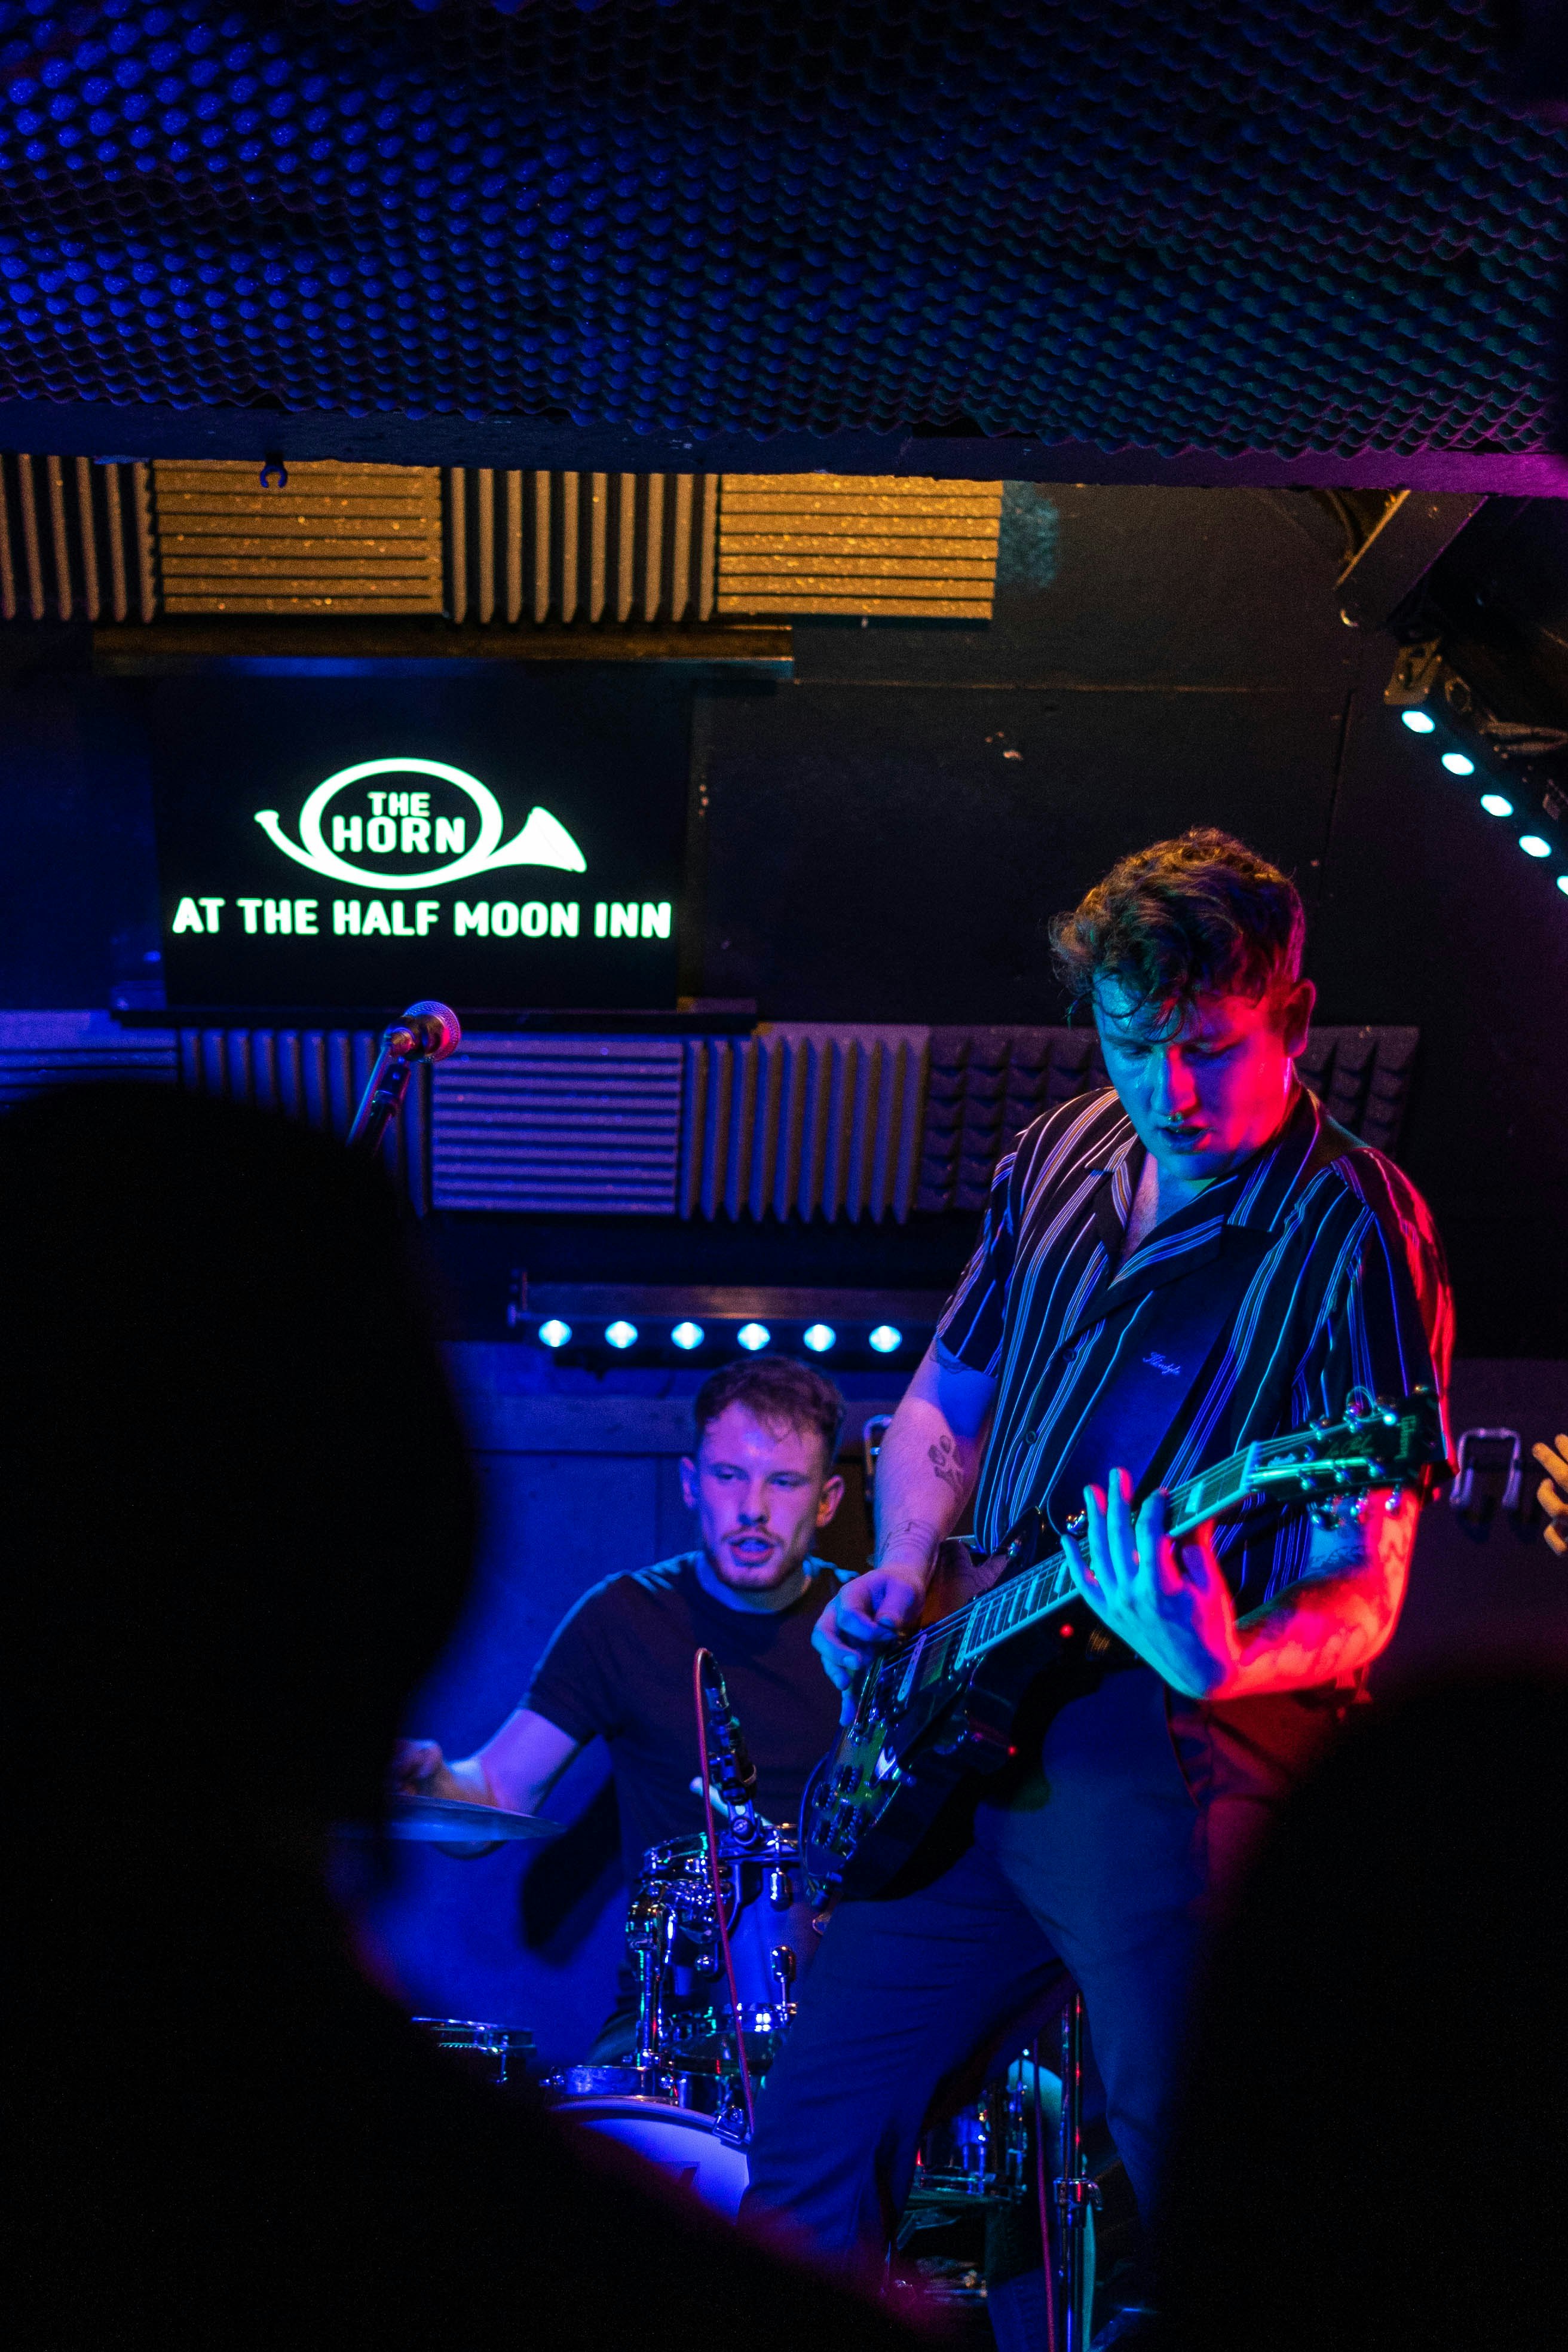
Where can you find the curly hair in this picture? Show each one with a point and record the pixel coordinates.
(1199, 915)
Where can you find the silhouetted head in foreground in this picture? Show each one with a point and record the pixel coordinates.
(238, 1512)
(239, 1527)
(1375, 2148)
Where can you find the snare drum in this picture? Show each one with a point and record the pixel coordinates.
(491, 2051)
(683, 2144)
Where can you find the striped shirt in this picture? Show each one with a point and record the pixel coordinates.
(1330, 1253)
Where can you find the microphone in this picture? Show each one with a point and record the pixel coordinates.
(428, 1032)
(730, 1763)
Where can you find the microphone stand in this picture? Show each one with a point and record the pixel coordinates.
(428, 1032)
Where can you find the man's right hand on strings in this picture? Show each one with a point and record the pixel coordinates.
(864, 1617)
(925, 1474)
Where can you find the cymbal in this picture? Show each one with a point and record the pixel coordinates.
(439, 1820)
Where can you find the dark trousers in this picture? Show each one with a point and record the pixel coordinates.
(1106, 1863)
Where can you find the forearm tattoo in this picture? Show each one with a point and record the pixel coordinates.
(944, 1459)
(907, 1535)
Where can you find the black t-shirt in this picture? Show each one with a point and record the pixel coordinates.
(618, 1668)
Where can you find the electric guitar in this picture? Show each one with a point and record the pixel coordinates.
(940, 1704)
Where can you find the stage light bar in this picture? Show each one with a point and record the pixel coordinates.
(1496, 806)
(1420, 722)
(1457, 764)
(625, 1322)
(1533, 846)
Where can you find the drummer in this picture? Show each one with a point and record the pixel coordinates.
(761, 1479)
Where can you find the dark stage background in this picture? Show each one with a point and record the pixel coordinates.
(886, 835)
(884, 838)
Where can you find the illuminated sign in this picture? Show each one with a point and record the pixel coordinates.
(404, 817)
(510, 869)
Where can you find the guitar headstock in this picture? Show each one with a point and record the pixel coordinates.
(1381, 1442)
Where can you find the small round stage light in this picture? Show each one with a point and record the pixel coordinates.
(752, 1336)
(1533, 846)
(1563, 884)
(687, 1335)
(1495, 805)
(885, 1339)
(819, 1338)
(1457, 764)
(621, 1334)
(1418, 721)
(554, 1333)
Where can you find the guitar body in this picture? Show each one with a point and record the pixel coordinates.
(875, 1796)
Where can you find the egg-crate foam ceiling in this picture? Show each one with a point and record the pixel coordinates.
(1115, 223)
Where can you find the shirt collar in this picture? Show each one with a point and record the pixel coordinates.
(1251, 1196)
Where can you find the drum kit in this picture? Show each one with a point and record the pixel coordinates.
(681, 2086)
(678, 2098)
(719, 1937)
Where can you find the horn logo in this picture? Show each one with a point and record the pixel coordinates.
(544, 840)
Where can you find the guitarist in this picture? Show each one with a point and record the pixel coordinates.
(1167, 1270)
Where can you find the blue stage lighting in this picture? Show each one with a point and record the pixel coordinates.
(1457, 764)
(554, 1333)
(752, 1336)
(885, 1339)
(621, 1334)
(1495, 805)
(1563, 884)
(1533, 846)
(1418, 721)
(819, 1338)
(687, 1335)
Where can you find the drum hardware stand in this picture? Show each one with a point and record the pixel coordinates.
(783, 1962)
(737, 1784)
(1077, 2194)
(649, 1927)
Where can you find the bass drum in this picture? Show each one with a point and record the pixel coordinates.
(682, 2143)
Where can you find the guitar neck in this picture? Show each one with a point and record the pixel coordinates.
(1018, 1603)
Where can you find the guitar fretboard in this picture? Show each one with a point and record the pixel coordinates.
(955, 1642)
